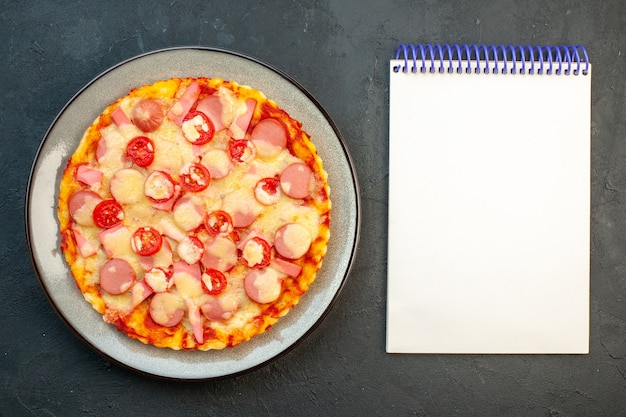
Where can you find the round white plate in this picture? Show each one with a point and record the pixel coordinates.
(59, 144)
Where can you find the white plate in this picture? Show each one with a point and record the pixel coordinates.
(43, 230)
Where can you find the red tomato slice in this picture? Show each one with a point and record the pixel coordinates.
(146, 241)
(159, 187)
(147, 115)
(194, 177)
(241, 150)
(265, 247)
(140, 150)
(219, 223)
(213, 282)
(107, 214)
(267, 190)
(198, 128)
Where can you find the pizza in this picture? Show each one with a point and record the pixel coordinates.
(194, 213)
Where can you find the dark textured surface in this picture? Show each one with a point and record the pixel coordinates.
(339, 51)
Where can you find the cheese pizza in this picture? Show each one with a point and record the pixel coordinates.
(194, 213)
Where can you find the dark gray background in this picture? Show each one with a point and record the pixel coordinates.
(339, 52)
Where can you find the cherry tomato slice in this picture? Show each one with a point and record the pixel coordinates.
(146, 241)
(198, 128)
(250, 252)
(140, 150)
(194, 177)
(267, 190)
(213, 282)
(241, 150)
(107, 214)
(147, 115)
(219, 223)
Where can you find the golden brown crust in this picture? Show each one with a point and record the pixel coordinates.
(250, 318)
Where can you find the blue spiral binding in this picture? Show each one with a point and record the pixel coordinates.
(511, 59)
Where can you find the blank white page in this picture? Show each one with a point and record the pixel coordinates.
(489, 213)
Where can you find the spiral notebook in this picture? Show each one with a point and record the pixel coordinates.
(489, 199)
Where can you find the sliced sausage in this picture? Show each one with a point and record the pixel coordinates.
(219, 253)
(127, 186)
(218, 308)
(119, 117)
(295, 180)
(181, 107)
(195, 318)
(263, 285)
(171, 229)
(162, 259)
(167, 309)
(116, 241)
(292, 240)
(116, 276)
(101, 149)
(188, 269)
(217, 162)
(140, 291)
(212, 108)
(243, 207)
(189, 212)
(81, 205)
(286, 267)
(240, 124)
(187, 279)
(85, 246)
(269, 138)
(88, 176)
(147, 115)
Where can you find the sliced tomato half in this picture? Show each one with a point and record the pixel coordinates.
(198, 128)
(213, 282)
(146, 241)
(107, 214)
(194, 177)
(241, 150)
(257, 252)
(267, 191)
(140, 151)
(219, 223)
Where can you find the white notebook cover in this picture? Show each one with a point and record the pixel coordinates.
(489, 213)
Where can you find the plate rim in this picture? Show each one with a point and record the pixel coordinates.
(348, 159)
